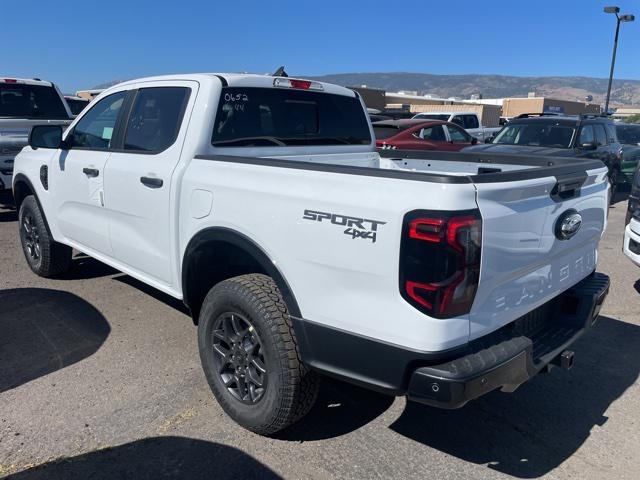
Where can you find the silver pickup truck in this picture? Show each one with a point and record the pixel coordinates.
(23, 104)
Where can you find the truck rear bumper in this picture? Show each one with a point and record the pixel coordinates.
(509, 357)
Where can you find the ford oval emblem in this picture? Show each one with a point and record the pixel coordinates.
(568, 224)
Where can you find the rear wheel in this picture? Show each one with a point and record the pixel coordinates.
(250, 356)
(45, 256)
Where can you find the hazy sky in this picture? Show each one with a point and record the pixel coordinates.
(80, 44)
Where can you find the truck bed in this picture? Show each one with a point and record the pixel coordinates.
(482, 167)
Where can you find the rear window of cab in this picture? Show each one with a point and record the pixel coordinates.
(261, 117)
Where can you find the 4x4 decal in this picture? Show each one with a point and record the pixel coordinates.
(356, 227)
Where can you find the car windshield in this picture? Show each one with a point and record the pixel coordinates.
(537, 134)
(19, 100)
(434, 116)
(628, 134)
(256, 117)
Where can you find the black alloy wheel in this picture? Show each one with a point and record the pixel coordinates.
(239, 357)
(31, 237)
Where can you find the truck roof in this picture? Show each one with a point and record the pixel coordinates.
(27, 81)
(241, 80)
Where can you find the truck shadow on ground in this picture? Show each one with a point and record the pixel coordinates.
(44, 330)
(340, 409)
(84, 267)
(534, 430)
(152, 458)
(154, 293)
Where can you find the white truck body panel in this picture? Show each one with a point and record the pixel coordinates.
(339, 281)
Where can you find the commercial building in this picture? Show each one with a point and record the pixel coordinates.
(89, 94)
(512, 107)
(489, 109)
(623, 113)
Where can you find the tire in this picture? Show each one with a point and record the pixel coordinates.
(251, 307)
(46, 257)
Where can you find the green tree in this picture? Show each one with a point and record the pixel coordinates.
(633, 118)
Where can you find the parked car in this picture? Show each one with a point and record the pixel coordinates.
(588, 136)
(629, 136)
(416, 134)
(631, 244)
(76, 104)
(23, 104)
(262, 203)
(467, 120)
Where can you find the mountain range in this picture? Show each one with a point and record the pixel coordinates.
(623, 92)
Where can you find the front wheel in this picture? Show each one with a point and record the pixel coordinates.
(250, 357)
(45, 256)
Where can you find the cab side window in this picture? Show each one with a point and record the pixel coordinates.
(95, 129)
(458, 120)
(155, 118)
(586, 135)
(601, 135)
(434, 134)
(471, 121)
(458, 135)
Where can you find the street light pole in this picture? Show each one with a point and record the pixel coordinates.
(619, 19)
(613, 64)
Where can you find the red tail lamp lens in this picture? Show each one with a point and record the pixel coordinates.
(440, 261)
(428, 229)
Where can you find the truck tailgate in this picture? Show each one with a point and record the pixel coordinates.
(524, 262)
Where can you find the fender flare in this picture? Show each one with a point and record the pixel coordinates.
(237, 239)
(21, 177)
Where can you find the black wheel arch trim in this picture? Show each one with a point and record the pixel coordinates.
(237, 239)
(21, 177)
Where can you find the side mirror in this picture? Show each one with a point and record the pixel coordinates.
(45, 136)
(589, 146)
(474, 140)
(489, 139)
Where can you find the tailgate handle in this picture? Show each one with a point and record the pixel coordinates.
(568, 187)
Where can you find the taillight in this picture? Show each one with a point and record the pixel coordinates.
(440, 261)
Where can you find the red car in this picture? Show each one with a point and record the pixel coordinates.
(418, 134)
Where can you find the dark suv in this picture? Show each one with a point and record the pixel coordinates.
(587, 136)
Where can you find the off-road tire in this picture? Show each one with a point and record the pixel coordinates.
(52, 258)
(291, 387)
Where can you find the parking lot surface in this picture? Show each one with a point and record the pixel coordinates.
(100, 378)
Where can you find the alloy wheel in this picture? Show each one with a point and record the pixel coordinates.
(239, 357)
(31, 237)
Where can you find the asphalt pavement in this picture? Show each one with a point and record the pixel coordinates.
(100, 378)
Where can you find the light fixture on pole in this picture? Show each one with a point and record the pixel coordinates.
(619, 18)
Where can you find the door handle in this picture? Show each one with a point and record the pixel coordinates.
(91, 172)
(151, 182)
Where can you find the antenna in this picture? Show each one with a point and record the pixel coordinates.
(280, 72)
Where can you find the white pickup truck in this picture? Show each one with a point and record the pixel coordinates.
(25, 102)
(261, 202)
(467, 120)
